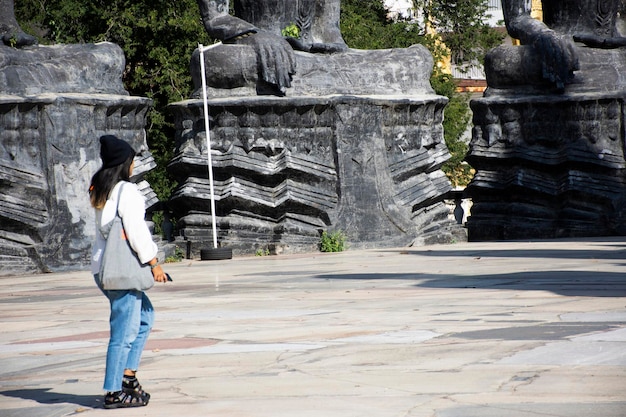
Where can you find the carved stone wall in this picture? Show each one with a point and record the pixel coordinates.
(55, 103)
(287, 168)
(548, 141)
(548, 166)
(49, 150)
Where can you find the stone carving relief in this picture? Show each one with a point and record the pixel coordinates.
(308, 135)
(548, 141)
(55, 102)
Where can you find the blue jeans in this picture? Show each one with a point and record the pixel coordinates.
(131, 320)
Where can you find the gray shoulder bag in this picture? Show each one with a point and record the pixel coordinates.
(120, 268)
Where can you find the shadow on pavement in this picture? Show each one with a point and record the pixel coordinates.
(568, 283)
(619, 253)
(45, 396)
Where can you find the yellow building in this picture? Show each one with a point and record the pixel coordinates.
(535, 11)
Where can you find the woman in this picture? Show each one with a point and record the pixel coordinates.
(131, 311)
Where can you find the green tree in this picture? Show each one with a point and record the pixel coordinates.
(456, 117)
(462, 27)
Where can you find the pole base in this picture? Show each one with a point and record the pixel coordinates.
(216, 254)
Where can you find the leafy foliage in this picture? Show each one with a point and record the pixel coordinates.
(364, 25)
(333, 242)
(178, 255)
(462, 26)
(291, 31)
(262, 252)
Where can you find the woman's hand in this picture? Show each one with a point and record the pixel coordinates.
(159, 274)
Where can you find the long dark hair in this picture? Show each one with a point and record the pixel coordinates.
(105, 179)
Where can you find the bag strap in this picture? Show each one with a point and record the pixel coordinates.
(119, 194)
(104, 230)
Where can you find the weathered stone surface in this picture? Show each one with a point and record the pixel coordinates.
(513, 71)
(548, 166)
(286, 169)
(355, 72)
(49, 152)
(85, 69)
(56, 102)
(258, 26)
(309, 136)
(549, 158)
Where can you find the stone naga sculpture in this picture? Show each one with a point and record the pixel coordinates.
(10, 31)
(551, 54)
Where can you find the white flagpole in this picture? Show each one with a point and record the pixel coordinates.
(208, 139)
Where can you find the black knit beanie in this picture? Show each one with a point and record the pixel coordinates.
(114, 151)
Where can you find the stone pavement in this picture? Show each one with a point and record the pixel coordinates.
(513, 329)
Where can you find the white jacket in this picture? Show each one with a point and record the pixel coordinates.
(132, 210)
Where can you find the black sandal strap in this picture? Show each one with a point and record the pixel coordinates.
(123, 399)
(131, 384)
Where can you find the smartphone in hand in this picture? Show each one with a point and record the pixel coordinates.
(169, 278)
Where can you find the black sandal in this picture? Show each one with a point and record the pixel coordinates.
(131, 385)
(122, 399)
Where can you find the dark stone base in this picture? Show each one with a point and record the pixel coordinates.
(49, 150)
(548, 166)
(286, 169)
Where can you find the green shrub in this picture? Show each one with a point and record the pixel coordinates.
(262, 252)
(178, 256)
(291, 31)
(333, 242)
